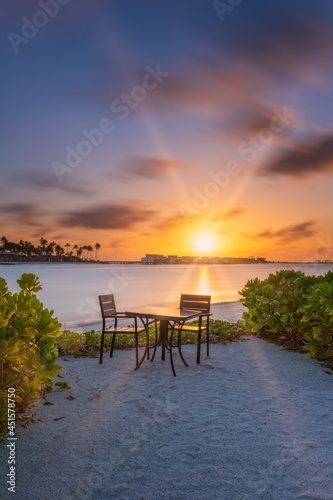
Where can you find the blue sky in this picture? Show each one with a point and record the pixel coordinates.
(226, 70)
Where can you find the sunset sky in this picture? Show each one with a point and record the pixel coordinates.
(215, 122)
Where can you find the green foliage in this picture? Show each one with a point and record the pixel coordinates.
(28, 349)
(69, 342)
(220, 332)
(62, 385)
(293, 305)
(29, 282)
(88, 343)
(318, 317)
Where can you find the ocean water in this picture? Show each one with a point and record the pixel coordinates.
(71, 289)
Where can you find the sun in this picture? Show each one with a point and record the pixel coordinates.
(204, 243)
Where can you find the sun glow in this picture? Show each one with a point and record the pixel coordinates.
(204, 242)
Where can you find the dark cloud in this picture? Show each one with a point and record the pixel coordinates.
(71, 183)
(281, 38)
(301, 160)
(108, 217)
(148, 168)
(18, 208)
(324, 253)
(205, 84)
(24, 213)
(286, 42)
(289, 233)
(249, 59)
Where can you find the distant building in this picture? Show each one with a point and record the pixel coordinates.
(154, 259)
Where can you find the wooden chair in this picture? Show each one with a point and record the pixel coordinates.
(108, 310)
(198, 303)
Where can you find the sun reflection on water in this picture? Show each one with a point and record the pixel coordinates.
(204, 286)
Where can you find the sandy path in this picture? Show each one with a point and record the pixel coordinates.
(251, 422)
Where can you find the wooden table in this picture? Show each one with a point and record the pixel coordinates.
(167, 316)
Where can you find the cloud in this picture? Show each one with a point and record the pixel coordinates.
(71, 184)
(289, 44)
(24, 213)
(299, 160)
(250, 59)
(169, 223)
(234, 212)
(290, 233)
(205, 86)
(149, 168)
(251, 121)
(108, 217)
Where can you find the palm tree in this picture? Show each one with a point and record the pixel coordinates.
(49, 249)
(97, 247)
(85, 255)
(67, 245)
(28, 249)
(43, 244)
(4, 242)
(79, 252)
(20, 247)
(89, 251)
(59, 250)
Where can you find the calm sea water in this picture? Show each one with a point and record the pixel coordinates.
(71, 290)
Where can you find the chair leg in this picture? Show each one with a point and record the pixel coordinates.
(199, 347)
(153, 356)
(147, 345)
(199, 341)
(171, 357)
(101, 348)
(112, 345)
(136, 349)
(208, 336)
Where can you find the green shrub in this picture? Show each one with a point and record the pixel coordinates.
(88, 343)
(318, 316)
(28, 349)
(70, 341)
(295, 306)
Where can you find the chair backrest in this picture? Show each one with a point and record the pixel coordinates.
(108, 306)
(196, 302)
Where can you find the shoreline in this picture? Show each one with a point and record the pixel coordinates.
(124, 263)
(225, 311)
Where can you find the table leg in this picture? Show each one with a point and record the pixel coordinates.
(179, 344)
(146, 353)
(163, 340)
(171, 357)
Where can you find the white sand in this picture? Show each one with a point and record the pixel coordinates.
(251, 422)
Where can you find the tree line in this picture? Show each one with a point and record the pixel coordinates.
(47, 249)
